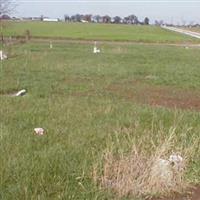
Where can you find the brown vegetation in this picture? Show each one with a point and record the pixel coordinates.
(153, 95)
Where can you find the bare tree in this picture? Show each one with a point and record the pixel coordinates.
(97, 18)
(106, 19)
(6, 7)
(117, 20)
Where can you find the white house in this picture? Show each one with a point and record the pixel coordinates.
(50, 20)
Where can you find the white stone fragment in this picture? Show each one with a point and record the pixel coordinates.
(176, 161)
(39, 131)
(3, 56)
(20, 93)
(96, 50)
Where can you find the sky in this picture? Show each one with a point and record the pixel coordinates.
(171, 11)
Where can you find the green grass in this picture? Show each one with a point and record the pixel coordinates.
(68, 97)
(112, 32)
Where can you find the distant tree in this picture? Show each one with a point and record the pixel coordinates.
(41, 17)
(191, 23)
(67, 18)
(73, 18)
(146, 21)
(97, 18)
(159, 23)
(5, 17)
(78, 17)
(117, 19)
(106, 19)
(88, 17)
(133, 19)
(125, 20)
(6, 7)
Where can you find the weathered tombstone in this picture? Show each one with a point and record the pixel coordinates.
(164, 172)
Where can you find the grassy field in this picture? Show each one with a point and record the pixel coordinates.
(151, 34)
(127, 95)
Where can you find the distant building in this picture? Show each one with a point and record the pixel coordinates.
(36, 18)
(50, 20)
(84, 21)
(26, 18)
(112, 20)
(15, 19)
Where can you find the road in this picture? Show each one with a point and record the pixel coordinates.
(182, 31)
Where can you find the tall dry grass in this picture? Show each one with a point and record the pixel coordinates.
(142, 174)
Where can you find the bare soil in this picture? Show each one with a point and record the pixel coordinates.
(158, 96)
(194, 194)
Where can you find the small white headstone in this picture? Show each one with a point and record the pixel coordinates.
(39, 131)
(96, 50)
(20, 93)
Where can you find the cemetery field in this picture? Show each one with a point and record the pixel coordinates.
(96, 109)
(89, 31)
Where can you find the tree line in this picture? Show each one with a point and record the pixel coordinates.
(131, 19)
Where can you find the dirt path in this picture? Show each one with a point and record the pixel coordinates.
(183, 31)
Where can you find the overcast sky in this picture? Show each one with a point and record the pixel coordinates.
(175, 11)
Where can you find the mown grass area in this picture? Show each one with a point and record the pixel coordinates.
(68, 95)
(88, 31)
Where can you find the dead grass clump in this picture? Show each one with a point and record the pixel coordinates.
(141, 175)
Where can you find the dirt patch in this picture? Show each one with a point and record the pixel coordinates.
(194, 195)
(159, 96)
